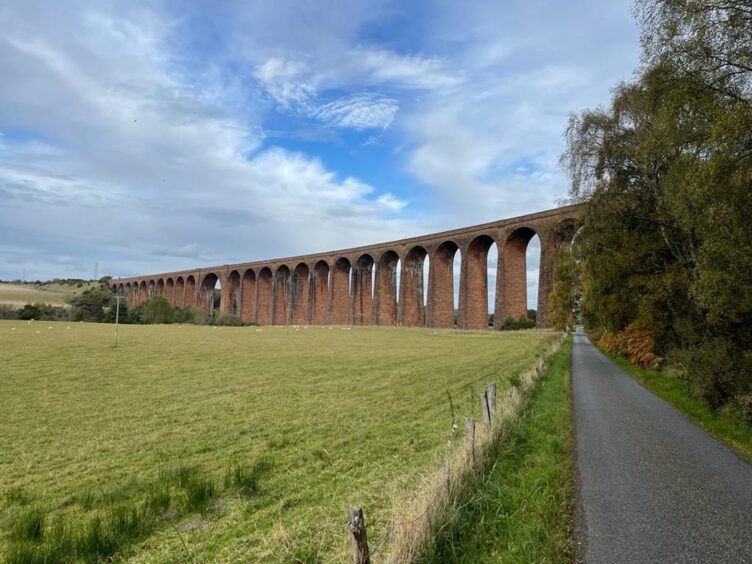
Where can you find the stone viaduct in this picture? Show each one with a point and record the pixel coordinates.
(359, 286)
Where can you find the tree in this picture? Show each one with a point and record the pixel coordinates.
(561, 301)
(665, 174)
(157, 310)
(92, 304)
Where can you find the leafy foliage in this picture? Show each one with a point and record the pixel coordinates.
(666, 176)
(93, 304)
(563, 298)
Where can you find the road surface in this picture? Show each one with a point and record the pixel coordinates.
(651, 485)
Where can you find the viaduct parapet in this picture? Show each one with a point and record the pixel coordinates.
(359, 286)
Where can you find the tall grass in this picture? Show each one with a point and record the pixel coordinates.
(246, 479)
(29, 524)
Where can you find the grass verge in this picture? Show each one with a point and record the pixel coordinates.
(518, 507)
(731, 430)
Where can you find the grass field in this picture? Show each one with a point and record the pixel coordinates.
(18, 295)
(248, 444)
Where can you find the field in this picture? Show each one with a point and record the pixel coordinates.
(248, 444)
(18, 295)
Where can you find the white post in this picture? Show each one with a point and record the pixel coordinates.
(117, 318)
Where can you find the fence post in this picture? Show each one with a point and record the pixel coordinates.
(492, 397)
(356, 533)
(484, 408)
(470, 440)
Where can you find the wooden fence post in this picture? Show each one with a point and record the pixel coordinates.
(356, 532)
(470, 440)
(484, 408)
(492, 397)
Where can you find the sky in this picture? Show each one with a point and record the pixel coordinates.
(142, 137)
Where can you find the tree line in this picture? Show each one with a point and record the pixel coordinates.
(98, 304)
(662, 265)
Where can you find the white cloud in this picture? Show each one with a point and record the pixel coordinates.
(378, 65)
(360, 111)
(129, 159)
(124, 135)
(391, 202)
(283, 81)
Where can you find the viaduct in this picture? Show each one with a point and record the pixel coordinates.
(359, 286)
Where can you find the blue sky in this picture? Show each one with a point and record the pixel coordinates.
(152, 136)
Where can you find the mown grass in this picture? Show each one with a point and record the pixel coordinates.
(517, 508)
(18, 295)
(248, 443)
(728, 428)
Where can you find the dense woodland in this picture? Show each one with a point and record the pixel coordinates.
(662, 265)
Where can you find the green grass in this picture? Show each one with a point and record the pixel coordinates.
(518, 508)
(728, 428)
(249, 442)
(18, 295)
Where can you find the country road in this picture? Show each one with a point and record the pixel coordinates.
(651, 485)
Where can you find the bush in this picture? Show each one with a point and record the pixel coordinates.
(158, 310)
(228, 319)
(524, 322)
(41, 311)
(635, 342)
(711, 369)
(93, 304)
(8, 312)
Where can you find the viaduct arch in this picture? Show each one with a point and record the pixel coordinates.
(380, 284)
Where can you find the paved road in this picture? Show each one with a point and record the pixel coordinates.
(651, 485)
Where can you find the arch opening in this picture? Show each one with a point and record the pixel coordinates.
(232, 298)
(160, 289)
(362, 289)
(180, 292)
(441, 288)
(561, 234)
(248, 296)
(281, 290)
(413, 287)
(189, 298)
(170, 291)
(300, 295)
(341, 292)
(209, 296)
(142, 292)
(387, 288)
(474, 299)
(264, 303)
(320, 293)
(515, 282)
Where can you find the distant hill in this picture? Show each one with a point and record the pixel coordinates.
(56, 292)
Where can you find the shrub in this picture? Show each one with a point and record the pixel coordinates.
(228, 319)
(158, 310)
(8, 312)
(635, 342)
(524, 322)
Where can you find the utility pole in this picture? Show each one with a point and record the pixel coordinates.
(96, 271)
(117, 318)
